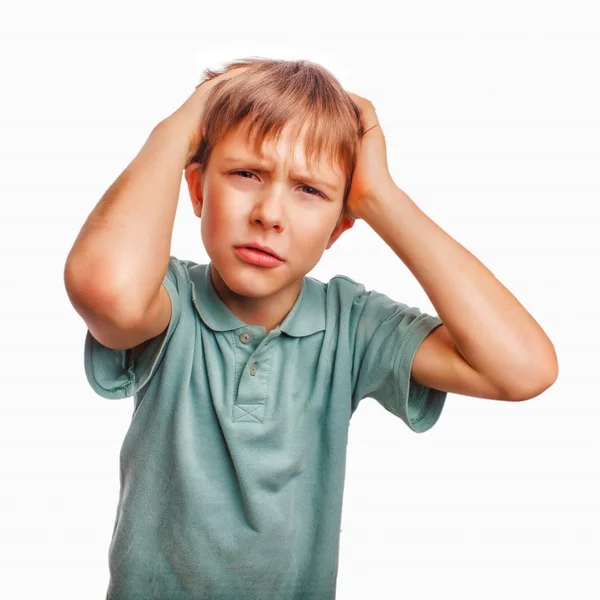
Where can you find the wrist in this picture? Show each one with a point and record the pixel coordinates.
(178, 126)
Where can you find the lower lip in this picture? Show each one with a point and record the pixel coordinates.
(256, 257)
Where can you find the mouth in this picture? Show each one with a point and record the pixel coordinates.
(257, 257)
(259, 250)
(262, 251)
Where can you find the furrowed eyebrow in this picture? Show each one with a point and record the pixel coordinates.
(265, 166)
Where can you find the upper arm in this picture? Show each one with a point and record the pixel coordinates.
(123, 351)
(438, 364)
(114, 334)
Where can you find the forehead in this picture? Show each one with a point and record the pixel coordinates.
(237, 148)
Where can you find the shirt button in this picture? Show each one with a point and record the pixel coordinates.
(245, 337)
(253, 369)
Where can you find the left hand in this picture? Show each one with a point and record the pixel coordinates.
(371, 172)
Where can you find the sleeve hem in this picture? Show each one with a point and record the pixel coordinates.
(421, 405)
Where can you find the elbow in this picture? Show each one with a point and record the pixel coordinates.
(533, 386)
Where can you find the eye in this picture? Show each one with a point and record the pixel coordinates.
(238, 172)
(317, 192)
(314, 192)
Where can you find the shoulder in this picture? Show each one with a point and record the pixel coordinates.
(345, 286)
(345, 298)
(180, 267)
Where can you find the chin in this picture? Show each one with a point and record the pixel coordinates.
(248, 280)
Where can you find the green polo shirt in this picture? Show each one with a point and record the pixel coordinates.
(232, 469)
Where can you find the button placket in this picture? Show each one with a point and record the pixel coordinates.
(246, 338)
(249, 403)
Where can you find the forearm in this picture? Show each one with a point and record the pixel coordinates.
(490, 328)
(122, 251)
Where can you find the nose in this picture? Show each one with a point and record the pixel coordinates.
(270, 208)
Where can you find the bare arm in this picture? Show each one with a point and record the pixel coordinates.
(122, 252)
(119, 260)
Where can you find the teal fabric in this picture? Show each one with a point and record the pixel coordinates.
(232, 469)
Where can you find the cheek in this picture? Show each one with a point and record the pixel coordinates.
(312, 239)
(216, 229)
(220, 214)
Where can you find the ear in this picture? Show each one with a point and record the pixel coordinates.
(193, 175)
(344, 222)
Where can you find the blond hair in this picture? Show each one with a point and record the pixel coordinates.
(273, 94)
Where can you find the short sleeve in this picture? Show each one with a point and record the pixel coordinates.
(115, 374)
(386, 336)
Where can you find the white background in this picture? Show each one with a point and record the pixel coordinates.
(490, 112)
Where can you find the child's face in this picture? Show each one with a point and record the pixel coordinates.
(270, 203)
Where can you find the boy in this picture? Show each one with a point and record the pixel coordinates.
(245, 372)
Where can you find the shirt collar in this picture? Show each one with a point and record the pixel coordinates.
(307, 316)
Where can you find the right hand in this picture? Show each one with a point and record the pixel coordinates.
(191, 112)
